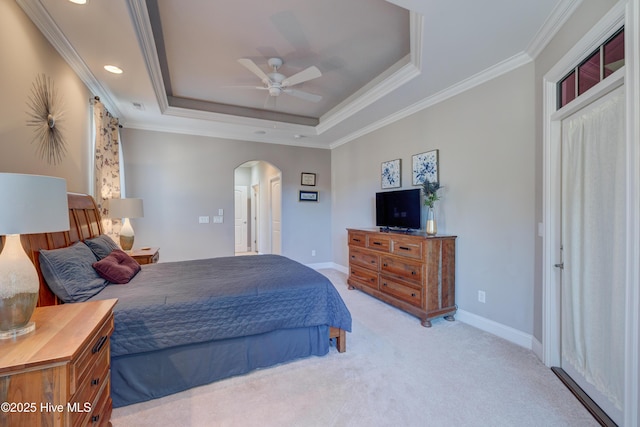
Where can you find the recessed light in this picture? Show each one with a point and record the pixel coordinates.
(78, 1)
(113, 69)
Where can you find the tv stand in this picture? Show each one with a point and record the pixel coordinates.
(413, 272)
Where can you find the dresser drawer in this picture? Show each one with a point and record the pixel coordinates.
(357, 239)
(88, 390)
(364, 276)
(364, 258)
(406, 248)
(101, 410)
(97, 348)
(404, 268)
(378, 243)
(404, 291)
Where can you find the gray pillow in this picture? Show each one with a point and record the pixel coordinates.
(70, 274)
(101, 246)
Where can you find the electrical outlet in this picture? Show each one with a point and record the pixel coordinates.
(481, 296)
(203, 220)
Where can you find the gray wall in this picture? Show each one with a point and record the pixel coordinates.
(26, 53)
(490, 144)
(182, 177)
(485, 139)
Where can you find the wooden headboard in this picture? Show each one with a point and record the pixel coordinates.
(84, 223)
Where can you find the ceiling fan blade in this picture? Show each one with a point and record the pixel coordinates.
(303, 95)
(251, 66)
(304, 75)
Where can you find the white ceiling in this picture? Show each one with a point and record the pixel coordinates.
(380, 60)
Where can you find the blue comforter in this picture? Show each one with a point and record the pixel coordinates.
(177, 303)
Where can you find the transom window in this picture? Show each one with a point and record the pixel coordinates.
(600, 64)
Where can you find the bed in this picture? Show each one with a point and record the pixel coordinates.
(183, 324)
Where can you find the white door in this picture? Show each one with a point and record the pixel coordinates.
(276, 216)
(240, 218)
(255, 215)
(593, 233)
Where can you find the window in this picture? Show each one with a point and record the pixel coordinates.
(600, 64)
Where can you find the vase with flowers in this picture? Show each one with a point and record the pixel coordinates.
(430, 190)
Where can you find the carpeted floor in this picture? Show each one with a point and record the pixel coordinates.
(395, 373)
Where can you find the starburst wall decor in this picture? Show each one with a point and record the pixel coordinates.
(45, 115)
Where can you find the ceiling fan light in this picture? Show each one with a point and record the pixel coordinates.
(275, 91)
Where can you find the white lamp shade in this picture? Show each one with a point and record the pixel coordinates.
(126, 208)
(32, 204)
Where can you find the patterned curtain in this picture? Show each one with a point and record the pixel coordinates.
(107, 166)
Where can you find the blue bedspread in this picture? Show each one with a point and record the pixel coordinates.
(177, 303)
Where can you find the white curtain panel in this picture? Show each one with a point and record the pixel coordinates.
(594, 234)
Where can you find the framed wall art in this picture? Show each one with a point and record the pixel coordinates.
(308, 178)
(308, 196)
(425, 167)
(390, 174)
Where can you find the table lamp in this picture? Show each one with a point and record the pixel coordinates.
(125, 209)
(28, 204)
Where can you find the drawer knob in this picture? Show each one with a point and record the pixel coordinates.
(385, 264)
(357, 240)
(377, 243)
(413, 294)
(95, 418)
(404, 248)
(413, 273)
(353, 257)
(373, 262)
(95, 381)
(384, 284)
(96, 348)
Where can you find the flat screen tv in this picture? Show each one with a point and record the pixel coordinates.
(398, 209)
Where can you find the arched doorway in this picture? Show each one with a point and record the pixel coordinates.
(257, 208)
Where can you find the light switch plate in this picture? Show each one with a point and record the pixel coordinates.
(220, 212)
(203, 220)
(217, 219)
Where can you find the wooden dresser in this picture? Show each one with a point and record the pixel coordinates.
(59, 374)
(410, 271)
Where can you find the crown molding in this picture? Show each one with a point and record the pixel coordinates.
(559, 16)
(491, 73)
(144, 32)
(41, 18)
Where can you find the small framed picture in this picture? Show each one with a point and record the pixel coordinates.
(308, 196)
(425, 167)
(308, 179)
(390, 174)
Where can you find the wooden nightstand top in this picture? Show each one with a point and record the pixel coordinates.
(61, 331)
(145, 255)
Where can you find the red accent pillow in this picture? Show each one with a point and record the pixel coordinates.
(117, 267)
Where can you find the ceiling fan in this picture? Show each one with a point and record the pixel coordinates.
(277, 83)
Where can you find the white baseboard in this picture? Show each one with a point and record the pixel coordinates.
(537, 348)
(333, 265)
(508, 333)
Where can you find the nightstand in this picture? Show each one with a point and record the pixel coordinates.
(145, 255)
(58, 375)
